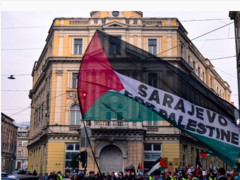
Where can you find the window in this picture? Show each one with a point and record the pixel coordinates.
(156, 147)
(182, 51)
(77, 46)
(211, 85)
(70, 151)
(189, 60)
(203, 76)
(95, 21)
(184, 155)
(152, 116)
(115, 45)
(151, 153)
(19, 154)
(74, 80)
(152, 46)
(152, 147)
(194, 65)
(152, 79)
(199, 71)
(147, 147)
(217, 90)
(75, 115)
(19, 143)
(135, 21)
(223, 95)
(127, 21)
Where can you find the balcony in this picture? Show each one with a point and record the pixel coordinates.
(112, 124)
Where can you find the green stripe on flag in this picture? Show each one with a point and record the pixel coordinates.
(113, 105)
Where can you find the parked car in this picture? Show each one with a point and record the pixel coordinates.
(6, 176)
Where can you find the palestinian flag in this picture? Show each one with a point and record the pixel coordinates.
(158, 164)
(118, 81)
(140, 168)
(206, 155)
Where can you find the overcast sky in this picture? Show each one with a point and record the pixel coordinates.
(22, 46)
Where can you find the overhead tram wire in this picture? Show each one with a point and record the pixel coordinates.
(198, 37)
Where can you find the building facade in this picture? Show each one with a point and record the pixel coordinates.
(9, 143)
(56, 116)
(22, 150)
(235, 15)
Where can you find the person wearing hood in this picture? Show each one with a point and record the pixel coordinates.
(129, 172)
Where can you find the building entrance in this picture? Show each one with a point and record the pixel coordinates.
(111, 159)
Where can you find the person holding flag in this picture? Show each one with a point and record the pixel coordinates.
(198, 165)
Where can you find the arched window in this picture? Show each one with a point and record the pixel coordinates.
(75, 115)
(119, 107)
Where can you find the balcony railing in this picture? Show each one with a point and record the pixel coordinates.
(113, 124)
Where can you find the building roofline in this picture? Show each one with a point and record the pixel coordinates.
(7, 116)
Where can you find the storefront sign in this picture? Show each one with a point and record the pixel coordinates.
(151, 156)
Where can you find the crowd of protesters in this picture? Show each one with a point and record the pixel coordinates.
(130, 174)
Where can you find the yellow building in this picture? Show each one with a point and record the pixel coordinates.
(55, 116)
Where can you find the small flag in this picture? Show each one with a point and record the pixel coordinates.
(140, 169)
(206, 155)
(159, 164)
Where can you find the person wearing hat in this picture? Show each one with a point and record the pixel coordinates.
(129, 172)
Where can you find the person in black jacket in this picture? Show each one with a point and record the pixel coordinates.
(50, 177)
(35, 173)
(221, 174)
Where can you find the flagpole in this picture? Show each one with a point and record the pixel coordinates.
(91, 149)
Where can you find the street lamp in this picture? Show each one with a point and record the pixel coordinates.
(11, 77)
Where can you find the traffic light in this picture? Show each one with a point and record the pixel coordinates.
(82, 156)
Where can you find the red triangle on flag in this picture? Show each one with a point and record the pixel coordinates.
(162, 163)
(203, 155)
